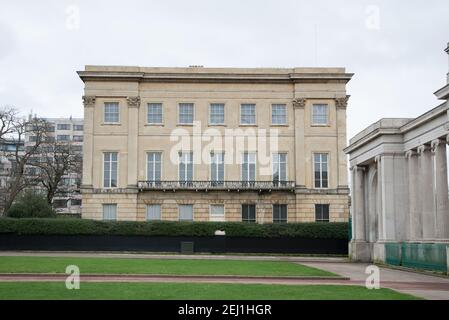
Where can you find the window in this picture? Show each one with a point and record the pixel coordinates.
(278, 114)
(217, 167)
(153, 212)
(77, 148)
(322, 212)
(111, 112)
(154, 161)
(32, 138)
(279, 213)
(217, 113)
(279, 167)
(186, 212)
(63, 137)
(320, 114)
(78, 127)
(185, 166)
(249, 167)
(60, 203)
(249, 213)
(186, 113)
(217, 212)
(248, 114)
(75, 202)
(63, 126)
(110, 169)
(110, 211)
(154, 115)
(78, 138)
(320, 170)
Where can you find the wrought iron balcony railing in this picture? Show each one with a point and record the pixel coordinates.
(217, 185)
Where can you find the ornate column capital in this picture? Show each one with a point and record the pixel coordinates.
(133, 101)
(89, 101)
(299, 103)
(423, 148)
(447, 139)
(410, 153)
(377, 159)
(435, 143)
(342, 103)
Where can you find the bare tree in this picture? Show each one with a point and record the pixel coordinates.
(8, 116)
(18, 179)
(57, 159)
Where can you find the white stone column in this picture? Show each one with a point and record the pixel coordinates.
(415, 223)
(133, 127)
(341, 105)
(89, 105)
(359, 204)
(426, 192)
(441, 189)
(380, 218)
(300, 169)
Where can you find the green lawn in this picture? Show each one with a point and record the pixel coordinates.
(192, 291)
(157, 266)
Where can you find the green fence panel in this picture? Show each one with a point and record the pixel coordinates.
(428, 256)
(393, 254)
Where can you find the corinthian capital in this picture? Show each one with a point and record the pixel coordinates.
(299, 103)
(133, 101)
(89, 101)
(342, 103)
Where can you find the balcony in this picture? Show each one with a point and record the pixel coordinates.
(237, 186)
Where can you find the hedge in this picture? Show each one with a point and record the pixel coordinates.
(171, 228)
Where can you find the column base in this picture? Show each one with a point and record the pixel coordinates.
(379, 252)
(360, 251)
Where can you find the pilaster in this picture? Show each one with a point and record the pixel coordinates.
(300, 169)
(88, 143)
(133, 125)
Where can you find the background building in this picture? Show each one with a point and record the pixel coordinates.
(7, 148)
(400, 205)
(132, 114)
(70, 130)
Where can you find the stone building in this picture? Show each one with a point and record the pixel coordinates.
(400, 187)
(138, 165)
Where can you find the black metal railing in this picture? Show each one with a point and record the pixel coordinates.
(216, 185)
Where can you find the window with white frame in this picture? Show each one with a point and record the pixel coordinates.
(186, 113)
(279, 213)
(320, 164)
(279, 167)
(185, 166)
(248, 113)
(153, 212)
(111, 112)
(248, 167)
(154, 115)
(217, 212)
(217, 167)
(249, 213)
(110, 164)
(279, 114)
(322, 212)
(320, 114)
(63, 126)
(63, 137)
(110, 211)
(217, 113)
(186, 212)
(154, 166)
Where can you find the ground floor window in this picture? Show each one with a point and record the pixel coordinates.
(322, 213)
(186, 212)
(249, 213)
(109, 211)
(279, 213)
(217, 212)
(154, 212)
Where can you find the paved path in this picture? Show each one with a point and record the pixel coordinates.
(421, 285)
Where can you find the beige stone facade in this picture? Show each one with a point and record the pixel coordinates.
(132, 136)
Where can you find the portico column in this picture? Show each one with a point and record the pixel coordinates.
(442, 201)
(415, 225)
(426, 192)
(359, 203)
(300, 170)
(133, 125)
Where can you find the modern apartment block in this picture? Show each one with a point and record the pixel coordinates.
(69, 130)
(260, 145)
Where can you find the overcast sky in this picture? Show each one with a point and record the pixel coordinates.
(395, 48)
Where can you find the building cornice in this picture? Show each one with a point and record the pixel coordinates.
(212, 77)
